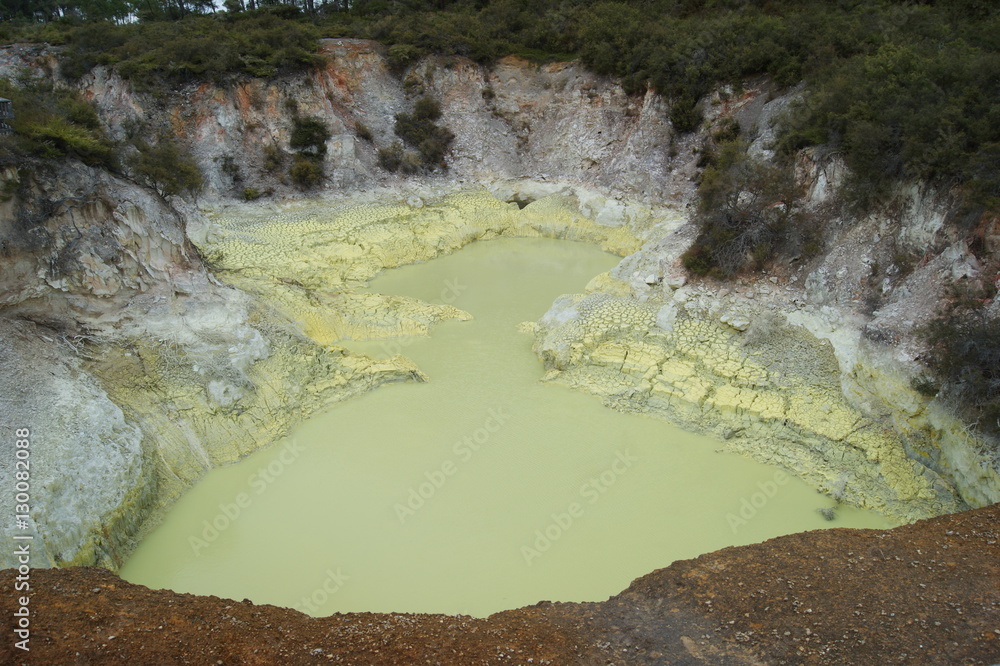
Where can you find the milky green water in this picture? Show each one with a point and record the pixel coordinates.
(480, 490)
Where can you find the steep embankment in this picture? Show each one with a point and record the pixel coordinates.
(189, 372)
(920, 594)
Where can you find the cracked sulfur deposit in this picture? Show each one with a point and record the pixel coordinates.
(309, 260)
(777, 401)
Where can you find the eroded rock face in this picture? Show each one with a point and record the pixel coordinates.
(90, 482)
(81, 245)
(84, 242)
(516, 120)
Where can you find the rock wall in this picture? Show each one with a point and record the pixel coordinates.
(516, 120)
(89, 482)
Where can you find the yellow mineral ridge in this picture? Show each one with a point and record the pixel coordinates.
(312, 261)
(774, 406)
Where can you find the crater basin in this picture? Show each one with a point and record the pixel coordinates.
(479, 490)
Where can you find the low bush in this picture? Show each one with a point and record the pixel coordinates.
(748, 211)
(274, 158)
(306, 173)
(908, 111)
(965, 359)
(309, 136)
(54, 123)
(364, 132)
(157, 52)
(391, 158)
(396, 158)
(419, 131)
(166, 168)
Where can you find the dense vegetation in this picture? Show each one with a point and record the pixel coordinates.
(165, 167)
(308, 140)
(748, 211)
(53, 123)
(901, 89)
(162, 54)
(965, 357)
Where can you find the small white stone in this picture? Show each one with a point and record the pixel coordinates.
(677, 282)
(666, 316)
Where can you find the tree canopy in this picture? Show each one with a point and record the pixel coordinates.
(903, 89)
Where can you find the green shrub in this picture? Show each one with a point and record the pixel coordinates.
(698, 260)
(685, 115)
(426, 109)
(412, 85)
(727, 130)
(419, 131)
(309, 136)
(52, 124)
(402, 56)
(748, 211)
(396, 158)
(907, 111)
(391, 158)
(274, 158)
(166, 168)
(364, 132)
(58, 136)
(306, 173)
(154, 52)
(251, 194)
(965, 358)
(229, 167)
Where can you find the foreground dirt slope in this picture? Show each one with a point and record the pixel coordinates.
(927, 593)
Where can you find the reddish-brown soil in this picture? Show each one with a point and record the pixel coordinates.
(927, 593)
